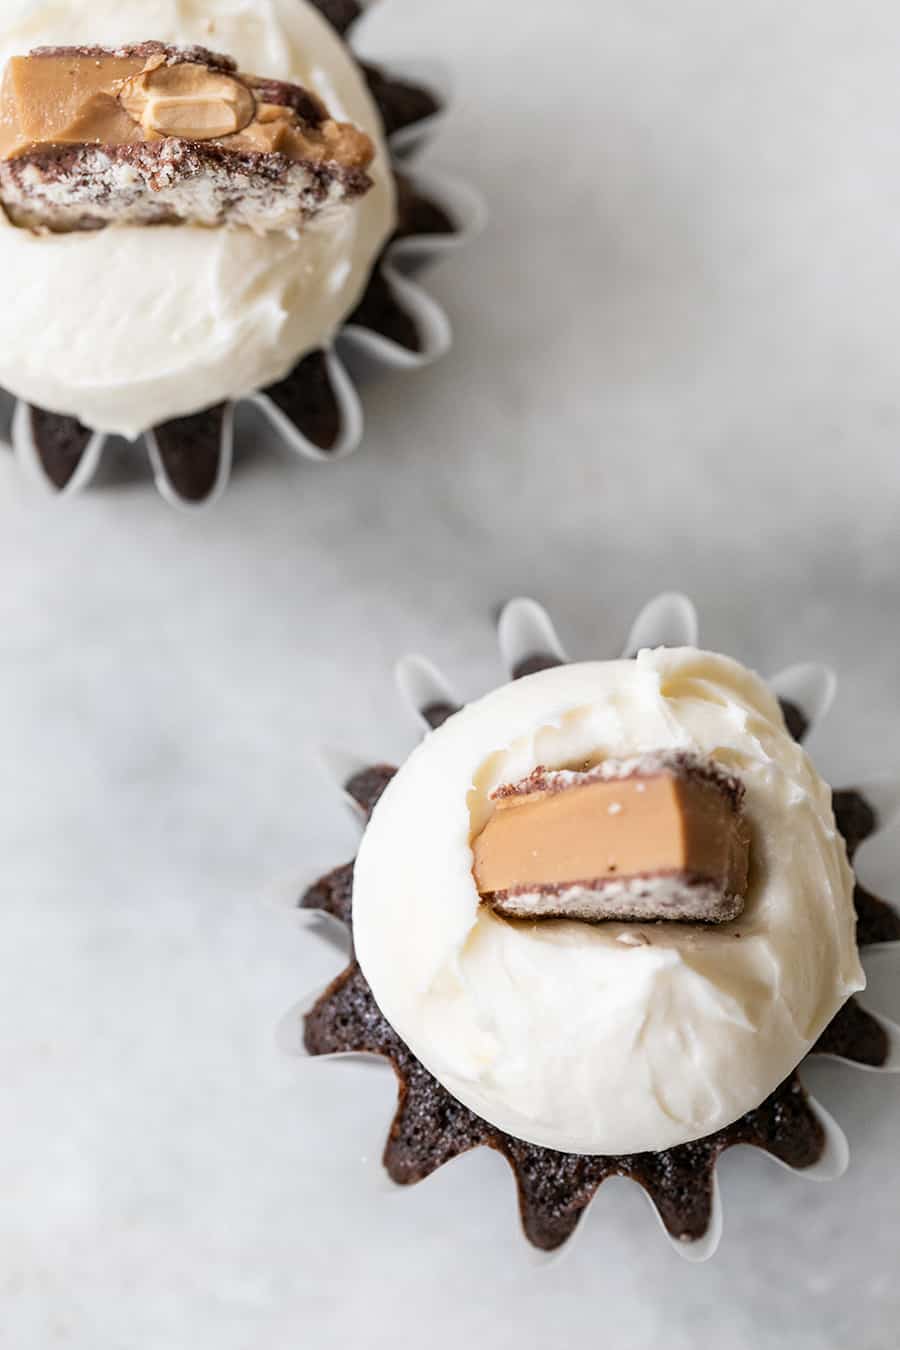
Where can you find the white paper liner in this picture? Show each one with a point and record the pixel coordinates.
(702, 1248)
(883, 795)
(835, 1157)
(465, 207)
(370, 352)
(285, 895)
(432, 325)
(289, 1034)
(669, 620)
(437, 78)
(289, 1038)
(326, 928)
(891, 1030)
(831, 1166)
(526, 629)
(350, 416)
(811, 687)
(223, 473)
(340, 766)
(25, 450)
(422, 685)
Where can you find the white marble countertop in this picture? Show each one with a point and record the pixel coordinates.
(676, 366)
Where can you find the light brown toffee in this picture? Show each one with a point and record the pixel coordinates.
(662, 839)
(89, 96)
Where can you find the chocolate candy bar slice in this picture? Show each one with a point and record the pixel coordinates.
(661, 836)
(151, 134)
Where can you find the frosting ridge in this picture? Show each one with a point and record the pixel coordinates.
(573, 1036)
(126, 328)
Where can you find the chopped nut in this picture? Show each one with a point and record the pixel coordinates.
(187, 100)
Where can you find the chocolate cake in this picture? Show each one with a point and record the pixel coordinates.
(153, 134)
(190, 449)
(431, 1127)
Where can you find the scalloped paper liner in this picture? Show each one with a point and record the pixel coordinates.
(528, 640)
(370, 352)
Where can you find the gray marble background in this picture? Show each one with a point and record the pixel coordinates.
(676, 365)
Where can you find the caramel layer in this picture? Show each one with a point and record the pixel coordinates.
(90, 96)
(587, 830)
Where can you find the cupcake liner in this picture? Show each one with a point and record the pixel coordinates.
(316, 410)
(206, 469)
(526, 634)
(810, 688)
(834, 1159)
(425, 690)
(71, 455)
(414, 95)
(831, 1164)
(858, 1037)
(348, 414)
(669, 620)
(702, 1248)
(891, 1031)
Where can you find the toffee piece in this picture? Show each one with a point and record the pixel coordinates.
(657, 837)
(151, 134)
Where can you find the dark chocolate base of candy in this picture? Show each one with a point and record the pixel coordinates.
(190, 448)
(431, 1127)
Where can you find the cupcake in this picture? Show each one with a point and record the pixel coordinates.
(200, 203)
(600, 917)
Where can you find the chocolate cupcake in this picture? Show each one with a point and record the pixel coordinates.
(215, 213)
(599, 919)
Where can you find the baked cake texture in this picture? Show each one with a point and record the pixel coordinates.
(431, 1127)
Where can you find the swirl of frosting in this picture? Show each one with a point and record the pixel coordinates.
(130, 326)
(576, 1036)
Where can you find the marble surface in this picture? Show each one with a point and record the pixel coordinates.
(676, 365)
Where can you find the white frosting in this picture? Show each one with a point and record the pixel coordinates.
(586, 1038)
(127, 327)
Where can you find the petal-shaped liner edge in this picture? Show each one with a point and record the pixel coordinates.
(26, 453)
(164, 485)
(423, 688)
(835, 1157)
(702, 1248)
(430, 319)
(668, 620)
(831, 1165)
(883, 795)
(350, 414)
(811, 687)
(525, 631)
(409, 142)
(891, 1063)
(465, 208)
